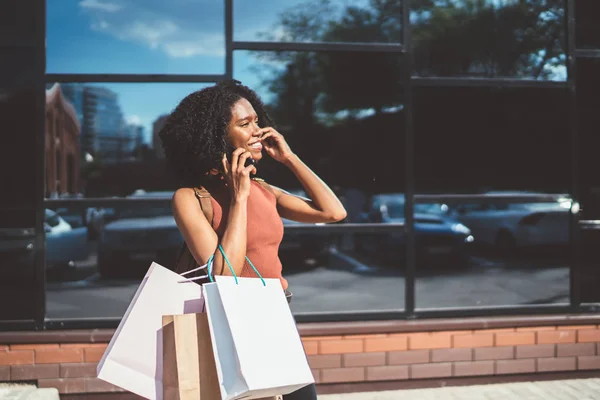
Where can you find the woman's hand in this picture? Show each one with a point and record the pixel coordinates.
(236, 175)
(275, 145)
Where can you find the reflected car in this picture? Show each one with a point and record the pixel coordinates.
(438, 238)
(64, 244)
(506, 227)
(137, 236)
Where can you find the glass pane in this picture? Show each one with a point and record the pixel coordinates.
(336, 120)
(102, 142)
(588, 105)
(21, 21)
(135, 36)
(482, 145)
(490, 39)
(360, 21)
(587, 24)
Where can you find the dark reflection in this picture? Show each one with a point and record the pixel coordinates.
(496, 152)
(587, 18)
(20, 21)
(135, 36)
(370, 21)
(588, 105)
(489, 39)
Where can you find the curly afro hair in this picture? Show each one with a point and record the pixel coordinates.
(193, 136)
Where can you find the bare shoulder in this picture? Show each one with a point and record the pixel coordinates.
(183, 198)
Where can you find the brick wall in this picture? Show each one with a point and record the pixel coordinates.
(71, 368)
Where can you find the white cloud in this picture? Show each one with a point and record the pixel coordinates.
(133, 120)
(175, 33)
(98, 5)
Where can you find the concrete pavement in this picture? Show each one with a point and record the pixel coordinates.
(571, 389)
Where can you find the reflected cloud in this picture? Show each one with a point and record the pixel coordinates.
(99, 5)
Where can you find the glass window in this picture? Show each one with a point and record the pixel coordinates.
(490, 39)
(347, 126)
(587, 24)
(361, 21)
(109, 148)
(484, 146)
(135, 36)
(588, 121)
(21, 20)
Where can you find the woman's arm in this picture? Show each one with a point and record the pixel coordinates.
(197, 231)
(324, 205)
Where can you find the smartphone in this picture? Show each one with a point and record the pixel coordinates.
(249, 160)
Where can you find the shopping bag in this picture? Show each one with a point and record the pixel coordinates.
(257, 347)
(133, 358)
(189, 371)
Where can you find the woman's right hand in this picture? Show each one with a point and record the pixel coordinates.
(236, 175)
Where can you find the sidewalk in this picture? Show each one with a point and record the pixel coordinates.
(572, 389)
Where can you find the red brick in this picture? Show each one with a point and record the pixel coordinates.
(84, 345)
(386, 344)
(576, 349)
(78, 370)
(501, 330)
(470, 341)
(93, 354)
(445, 355)
(422, 341)
(9, 357)
(317, 375)
(310, 347)
(3, 347)
(387, 373)
(319, 338)
(588, 362)
(536, 351)
(556, 364)
(341, 346)
(588, 335)
(33, 346)
(64, 386)
(536, 328)
(515, 338)
(364, 359)
(577, 327)
(439, 370)
(473, 368)
(371, 336)
(408, 357)
(53, 356)
(325, 361)
(558, 336)
(95, 385)
(5, 373)
(515, 366)
(494, 353)
(33, 372)
(333, 375)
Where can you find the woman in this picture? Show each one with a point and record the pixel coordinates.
(198, 138)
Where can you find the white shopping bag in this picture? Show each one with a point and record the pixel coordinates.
(133, 358)
(257, 347)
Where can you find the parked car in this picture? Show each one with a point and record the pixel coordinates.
(438, 238)
(138, 235)
(509, 226)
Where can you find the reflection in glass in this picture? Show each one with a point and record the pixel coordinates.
(362, 21)
(490, 39)
(135, 36)
(587, 24)
(483, 145)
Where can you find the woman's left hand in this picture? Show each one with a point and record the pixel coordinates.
(275, 145)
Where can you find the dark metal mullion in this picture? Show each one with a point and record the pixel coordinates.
(409, 282)
(485, 82)
(575, 233)
(135, 78)
(319, 46)
(40, 177)
(229, 39)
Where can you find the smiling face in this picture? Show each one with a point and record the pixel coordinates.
(243, 130)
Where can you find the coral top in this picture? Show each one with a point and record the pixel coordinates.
(264, 230)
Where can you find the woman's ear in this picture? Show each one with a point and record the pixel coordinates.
(214, 171)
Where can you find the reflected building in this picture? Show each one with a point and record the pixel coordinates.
(156, 143)
(63, 149)
(133, 139)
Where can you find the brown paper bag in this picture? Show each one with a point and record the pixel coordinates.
(189, 371)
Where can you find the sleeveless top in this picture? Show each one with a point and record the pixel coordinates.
(264, 230)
